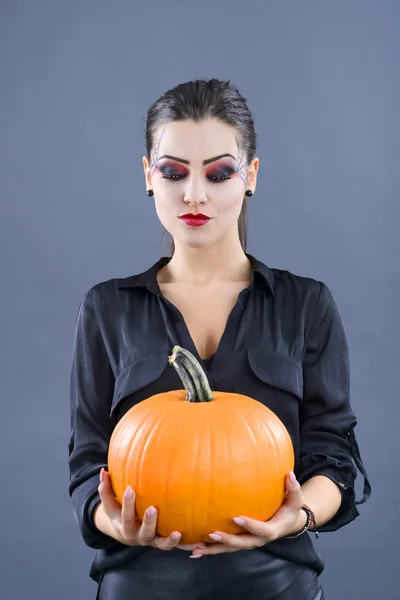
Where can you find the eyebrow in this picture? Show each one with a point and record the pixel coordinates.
(205, 162)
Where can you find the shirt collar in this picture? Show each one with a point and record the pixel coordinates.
(148, 279)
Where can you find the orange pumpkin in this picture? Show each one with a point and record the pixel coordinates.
(200, 457)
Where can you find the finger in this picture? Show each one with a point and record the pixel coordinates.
(111, 506)
(294, 498)
(191, 547)
(129, 524)
(214, 549)
(254, 526)
(173, 541)
(242, 540)
(167, 543)
(147, 531)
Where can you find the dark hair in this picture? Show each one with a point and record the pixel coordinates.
(202, 99)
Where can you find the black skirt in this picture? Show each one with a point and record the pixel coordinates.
(242, 575)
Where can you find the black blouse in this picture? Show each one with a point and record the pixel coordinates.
(284, 344)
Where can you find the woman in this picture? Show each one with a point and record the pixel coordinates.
(268, 333)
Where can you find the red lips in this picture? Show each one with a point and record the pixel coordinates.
(194, 216)
(195, 220)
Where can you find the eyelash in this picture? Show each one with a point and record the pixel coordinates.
(179, 177)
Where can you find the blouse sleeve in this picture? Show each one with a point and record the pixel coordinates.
(91, 391)
(327, 442)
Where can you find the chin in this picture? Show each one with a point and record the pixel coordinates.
(196, 243)
(204, 239)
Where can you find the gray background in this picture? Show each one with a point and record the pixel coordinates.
(76, 80)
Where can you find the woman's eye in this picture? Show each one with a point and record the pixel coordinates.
(217, 177)
(220, 175)
(173, 176)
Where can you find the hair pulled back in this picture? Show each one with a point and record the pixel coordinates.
(198, 100)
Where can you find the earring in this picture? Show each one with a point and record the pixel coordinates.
(249, 193)
(150, 193)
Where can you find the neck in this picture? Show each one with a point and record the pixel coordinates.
(223, 261)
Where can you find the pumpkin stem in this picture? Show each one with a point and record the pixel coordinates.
(192, 375)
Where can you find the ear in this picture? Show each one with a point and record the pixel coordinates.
(146, 168)
(252, 171)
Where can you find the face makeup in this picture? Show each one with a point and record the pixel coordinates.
(173, 170)
(240, 161)
(156, 153)
(196, 220)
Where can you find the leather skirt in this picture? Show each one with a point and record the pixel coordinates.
(242, 575)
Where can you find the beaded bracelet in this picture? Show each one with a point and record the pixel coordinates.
(314, 525)
(310, 520)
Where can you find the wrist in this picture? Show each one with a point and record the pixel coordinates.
(299, 524)
(310, 523)
(101, 521)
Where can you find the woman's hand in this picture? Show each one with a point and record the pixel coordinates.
(287, 520)
(126, 529)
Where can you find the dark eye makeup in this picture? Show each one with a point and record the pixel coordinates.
(215, 174)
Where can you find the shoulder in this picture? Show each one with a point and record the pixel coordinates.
(140, 279)
(109, 291)
(108, 285)
(284, 282)
(114, 286)
(308, 295)
(312, 301)
(299, 287)
(284, 279)
(299, 292)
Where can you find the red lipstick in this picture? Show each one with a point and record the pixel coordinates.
(195, 220)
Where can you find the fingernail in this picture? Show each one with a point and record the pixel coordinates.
(176, 536)
(128, 492)
(195, 556)
(215, 536)
(151, 512)
(292, 477)
(101, 475)
(239, 521)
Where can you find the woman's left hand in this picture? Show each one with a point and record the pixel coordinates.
(284, 522)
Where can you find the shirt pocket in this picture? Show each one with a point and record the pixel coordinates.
(137, 380)
(280, 373)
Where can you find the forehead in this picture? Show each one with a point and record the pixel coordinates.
(195, 141)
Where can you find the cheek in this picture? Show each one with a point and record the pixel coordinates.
(229, 203)
(164, 212)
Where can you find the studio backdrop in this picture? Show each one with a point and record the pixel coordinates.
(76, 80)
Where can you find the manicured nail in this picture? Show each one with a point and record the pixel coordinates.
(128, 492)
(292, 477)
(175, 536)
(101, 475)
(215, 536)
(239, 521)
(195, 556)
(151, 512)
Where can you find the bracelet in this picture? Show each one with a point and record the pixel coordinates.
(310, 523)
(313, 528)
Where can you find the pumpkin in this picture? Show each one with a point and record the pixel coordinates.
(200, 457)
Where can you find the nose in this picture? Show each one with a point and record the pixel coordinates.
(195, 193)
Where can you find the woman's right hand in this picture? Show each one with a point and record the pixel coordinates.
(127, 529)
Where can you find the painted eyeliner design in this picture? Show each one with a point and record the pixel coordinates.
(156, 153)
(240, 163)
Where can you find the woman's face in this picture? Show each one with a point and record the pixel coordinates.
(198, 168)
